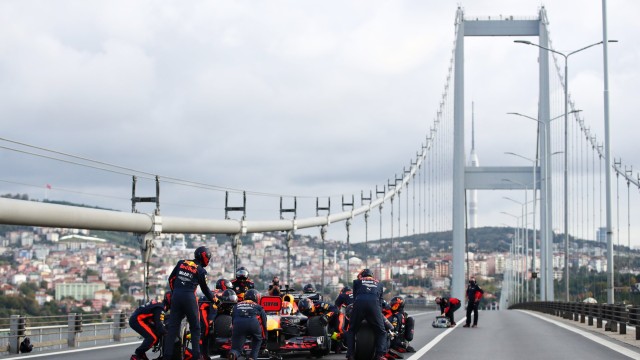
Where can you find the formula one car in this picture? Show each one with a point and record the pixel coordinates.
(289, 332)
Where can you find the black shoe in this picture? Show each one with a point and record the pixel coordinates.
(475, 325)
(465, 325)
(410, 349)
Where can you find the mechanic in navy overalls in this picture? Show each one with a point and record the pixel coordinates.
(183, 281)
(367, 294)
(248, 320)
(148, 321)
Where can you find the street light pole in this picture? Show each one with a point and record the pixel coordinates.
(514, 243)
(566, 152)
(545, 240)
(525, 234)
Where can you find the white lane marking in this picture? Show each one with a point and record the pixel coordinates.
(31, 356)
(615, 347)
(84, 349)
(434, 342)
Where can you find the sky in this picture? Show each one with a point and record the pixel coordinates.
(304, 98)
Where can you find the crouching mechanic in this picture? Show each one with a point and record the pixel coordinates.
(448, 306)
(248, 320)
(367, 304)
(183, 281)
(403, 325)
(329, 315)
(148, 321)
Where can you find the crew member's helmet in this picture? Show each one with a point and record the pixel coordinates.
(223, 284)
(253, 295)
(309, 289)
(242, 273)
(305, 306)
(397, 303)
(202, 255)
(366, 273)
(229, 296)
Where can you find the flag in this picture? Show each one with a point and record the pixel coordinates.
(48, 186)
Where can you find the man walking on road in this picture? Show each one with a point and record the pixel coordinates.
(474, 294)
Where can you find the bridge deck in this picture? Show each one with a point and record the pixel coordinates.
(501, 335)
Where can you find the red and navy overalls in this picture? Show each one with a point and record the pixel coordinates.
(248, 319)
(147, 320)
(183, 281)
(474, 294)
(367, 293)
(448, 306)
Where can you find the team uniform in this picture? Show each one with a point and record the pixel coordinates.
(474, 294)
(345, 298)
(448, 306)
(241, 284)
(330, 313)
(148, 321)
(367, 304)
(183, 281)
(403, 326)
(249, 320)
(207, 313)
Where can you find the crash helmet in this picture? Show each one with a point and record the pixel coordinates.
(166, 300)
(309, 289)
(229, 296)
(253, 295)
(287, 308)
(366, 273)
(305, 305)
(288, 298)
(223, 284)
(397, 303)
(202, 255)
(242, 273)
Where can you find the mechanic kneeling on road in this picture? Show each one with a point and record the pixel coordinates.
(367, 294)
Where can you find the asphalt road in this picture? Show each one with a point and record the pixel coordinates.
(501, 335)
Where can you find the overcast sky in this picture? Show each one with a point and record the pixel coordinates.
(306, 98)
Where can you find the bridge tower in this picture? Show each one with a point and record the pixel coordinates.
(490, 178)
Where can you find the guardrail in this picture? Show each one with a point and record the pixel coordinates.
(614, 317)
(56, 332)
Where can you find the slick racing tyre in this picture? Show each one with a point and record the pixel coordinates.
(365, 343)
(315, 328)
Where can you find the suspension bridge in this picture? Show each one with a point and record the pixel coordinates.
(571, 194)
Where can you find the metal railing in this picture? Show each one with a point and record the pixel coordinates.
(66, 331)
(614, 317)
